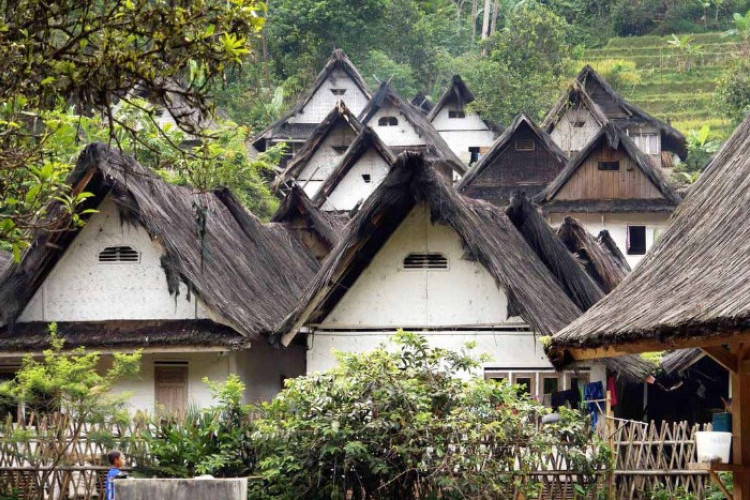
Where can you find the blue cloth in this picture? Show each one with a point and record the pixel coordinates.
(591, 392)
(109, 487)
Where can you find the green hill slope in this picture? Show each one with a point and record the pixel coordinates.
(663, 86)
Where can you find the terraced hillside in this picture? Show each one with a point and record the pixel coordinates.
(663, 85)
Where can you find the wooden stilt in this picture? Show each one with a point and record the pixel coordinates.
(741, 429)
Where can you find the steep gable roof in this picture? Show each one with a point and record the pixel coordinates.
(327, 225)
(568, 272)
(618, 109)
(340, 114)
(692, 285)
(435, 147)
(366, 140)
(456, 92)
(488, 236)
(247, 272)
(520, 122)
(612, 137)
(574, 96)
(338, 60)
(600, 256)
(422, 102)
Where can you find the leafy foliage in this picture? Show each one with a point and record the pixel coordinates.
(213, 440)
(402, 423)
(90, 54)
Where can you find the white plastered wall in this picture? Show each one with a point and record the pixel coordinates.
(80, 288)
(574, 139)
(323, 100)
(353, 187)
(324, 159)
(617, 225)
(463, 133)
(402, 134)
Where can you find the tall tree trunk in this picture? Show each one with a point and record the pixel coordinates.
(486, 23)
(495, 12)
(474, 9)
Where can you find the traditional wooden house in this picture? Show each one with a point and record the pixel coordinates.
(422, 257)
(611, 184)
(359, 172)
(590, 102)
(338, 81)
(403, 127)
(467, 134)
(691, 291)
(523, 158)
(192, 279)
(423, 102)
(321, 152)
(317, 230)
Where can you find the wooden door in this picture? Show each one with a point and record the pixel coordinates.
(171, 388)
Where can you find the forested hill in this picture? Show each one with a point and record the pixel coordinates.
(515, 58)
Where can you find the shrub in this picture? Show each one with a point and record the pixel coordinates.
(402, 424)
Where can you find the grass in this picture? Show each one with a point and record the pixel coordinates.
(663, 87)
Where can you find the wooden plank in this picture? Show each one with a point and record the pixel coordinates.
(722, 356)
(741, 430)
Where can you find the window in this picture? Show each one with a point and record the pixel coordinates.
(475, 155)
(119, 254)
(453, 113)
(609, 165)
(340, 149)
(648, 143)
(388, 121)
(578, 124)
(171, 387)
(527, 381)
(367, 178)
(338, 91)
(496, 376)
(425, 261)
(523, 145)
(636, 244)
(577, 380)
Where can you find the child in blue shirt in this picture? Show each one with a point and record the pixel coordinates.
(116, 459)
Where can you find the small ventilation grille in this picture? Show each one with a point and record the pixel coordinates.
(425, 261)
(119, 254)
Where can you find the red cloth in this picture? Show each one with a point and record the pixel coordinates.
(612, 388)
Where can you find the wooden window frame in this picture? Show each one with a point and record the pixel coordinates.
(534, 376)
(628, 247)
(609, 166)
(388, 121)
(456, 113)
(426, 256)
(521, 143)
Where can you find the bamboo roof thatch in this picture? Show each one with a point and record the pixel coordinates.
(327, 225)
(248, 273)
(281, 128)
(458, 93)
(121, 334)
(614, 138)
(680, 360)
(600, 256)
(422, 101)
(568, 272)
(575, 96)
(692, 285)
(5, 259)
(488, 236)
(503, 144)
(630, 367)
(366, 140)
(339, 115)
(434, 149)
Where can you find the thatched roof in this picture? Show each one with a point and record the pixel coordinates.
(458, 93)
(680, 360)
(422, 101)
(541, 238)
(327, 225)
(692, 285)
(339, 115)
(5, 260)
(488, 236)
(630, 367)
(435, 149)
(600, 256)
(575, 95)
(366, 140)
(623, 113)
(282, 129)
(123, 334)
(612, 137)
(248, 273)
(521, 123)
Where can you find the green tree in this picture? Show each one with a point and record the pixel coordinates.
(90, 54)
(402, 423)
(734, 90)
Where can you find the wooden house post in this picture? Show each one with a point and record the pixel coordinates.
(741, 429)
